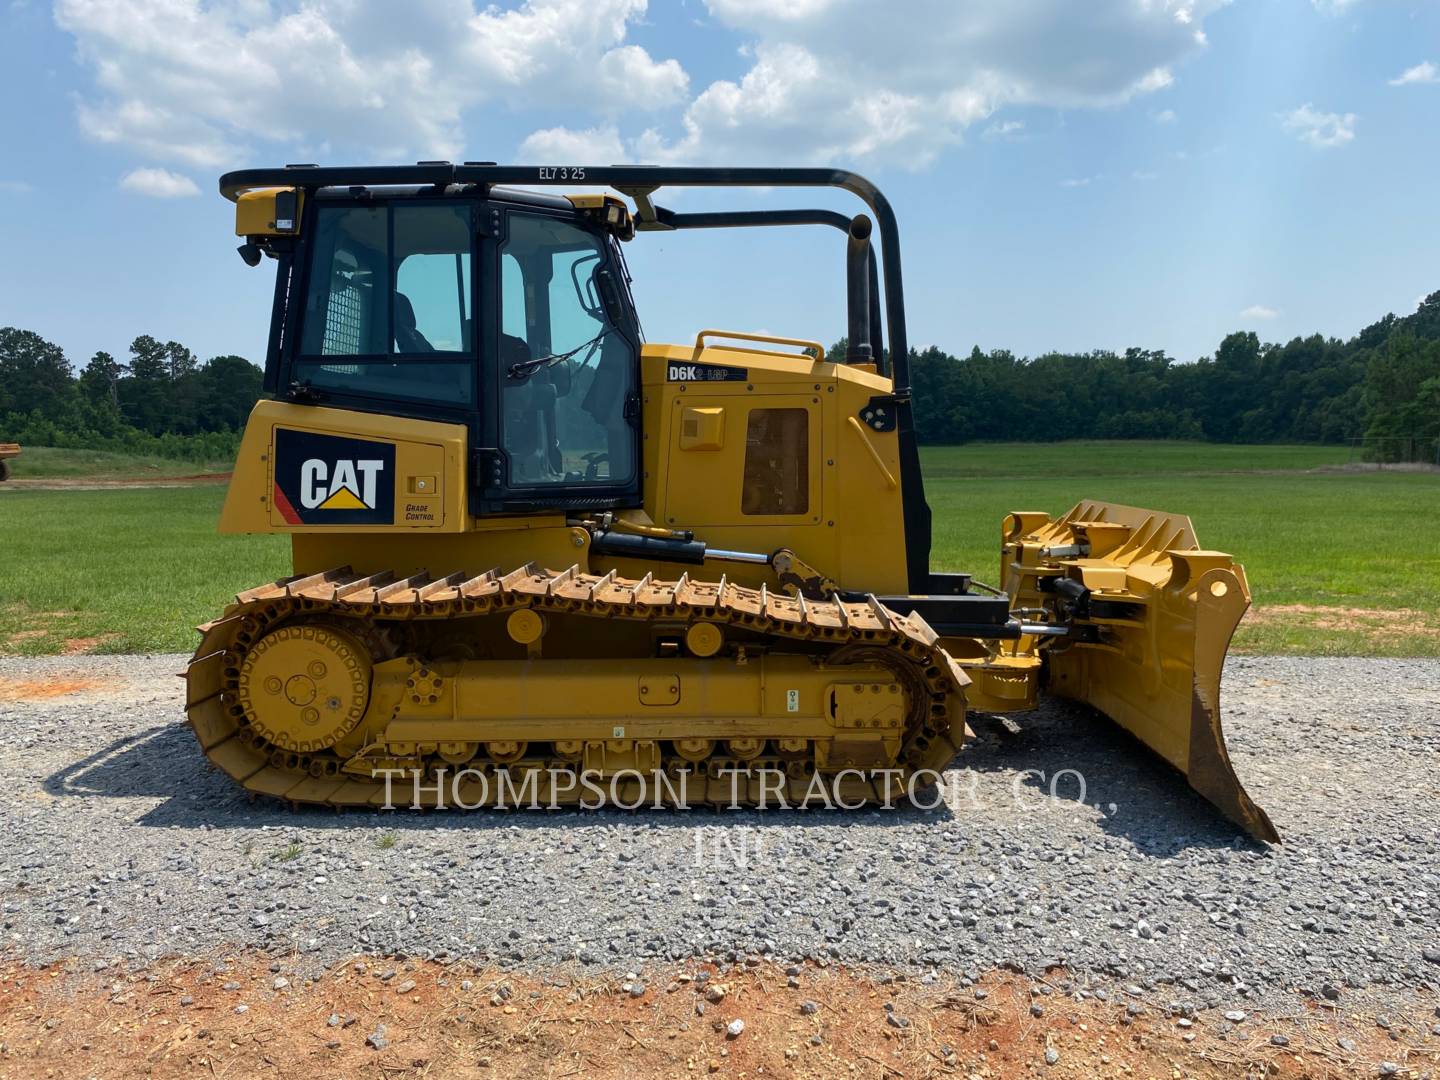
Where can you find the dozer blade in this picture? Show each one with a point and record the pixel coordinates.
(1148, 618)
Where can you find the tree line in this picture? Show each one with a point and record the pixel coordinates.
(1383, 384)
(162, 401)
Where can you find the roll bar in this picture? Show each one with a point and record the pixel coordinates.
(742, 219)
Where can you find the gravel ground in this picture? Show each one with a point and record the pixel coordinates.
(122, 846)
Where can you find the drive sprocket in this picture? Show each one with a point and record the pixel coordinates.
(304, 687)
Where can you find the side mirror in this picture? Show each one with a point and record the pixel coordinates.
(610, 297)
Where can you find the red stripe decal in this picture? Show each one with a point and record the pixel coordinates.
(286, 510)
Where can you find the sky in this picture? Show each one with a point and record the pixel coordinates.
(1067, 175)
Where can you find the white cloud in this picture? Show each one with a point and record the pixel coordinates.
(828, 81)
(1144, 175)
(1078, 181)
(16, 187)
(1009, 129)
(628, 75)
(1323, 131)
(159, 184)
(1258, 312)
(1164, 116)
(210, 84)
(595, 146)
(1155, 79)
(214, 83)
(1424, 72)
(793, 11)
(1334, 7)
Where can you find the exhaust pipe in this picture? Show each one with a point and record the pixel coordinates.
(857, 291)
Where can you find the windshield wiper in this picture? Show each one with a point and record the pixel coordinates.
(525, 368)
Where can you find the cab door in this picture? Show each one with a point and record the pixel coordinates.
(565, 368)
(381, 331)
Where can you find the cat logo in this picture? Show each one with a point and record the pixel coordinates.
(333, 480)
(344, 491)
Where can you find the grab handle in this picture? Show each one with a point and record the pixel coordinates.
(799, 343)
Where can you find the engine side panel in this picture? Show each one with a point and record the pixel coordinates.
(307, 469)
(758, 450)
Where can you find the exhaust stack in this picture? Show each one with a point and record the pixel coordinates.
(857, 292)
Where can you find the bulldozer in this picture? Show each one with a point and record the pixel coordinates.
(536, 556)
(8, 452)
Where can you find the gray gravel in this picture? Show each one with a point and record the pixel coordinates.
(121, 846)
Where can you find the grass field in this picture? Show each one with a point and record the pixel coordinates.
(1341, 562)
(120, 571)
(49, 462)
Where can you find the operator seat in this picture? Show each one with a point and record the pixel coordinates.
(408, 339)
(532, 430)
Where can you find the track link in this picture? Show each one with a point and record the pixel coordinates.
(385, 604)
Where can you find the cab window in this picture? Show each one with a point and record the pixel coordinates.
(777, 463)
(565, 371)
(389, 299)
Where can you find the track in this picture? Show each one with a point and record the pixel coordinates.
(399, 617)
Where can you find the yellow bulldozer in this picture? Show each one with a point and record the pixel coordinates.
(536, 557)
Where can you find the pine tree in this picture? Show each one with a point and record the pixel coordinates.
(100, 377)
(145, 398)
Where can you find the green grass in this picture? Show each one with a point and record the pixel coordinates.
(50, 462)
(1340, 562)
(121, 571)
(1360, 545)
(289, 853)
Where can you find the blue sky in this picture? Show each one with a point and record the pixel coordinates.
(1067, 175)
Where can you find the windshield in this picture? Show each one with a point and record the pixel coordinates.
(565, 371)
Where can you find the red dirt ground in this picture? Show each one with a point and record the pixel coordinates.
(38, 689)
(96, 483)
(178, 1020)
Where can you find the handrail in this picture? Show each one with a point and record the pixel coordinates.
(859, 428)
(737, 335)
